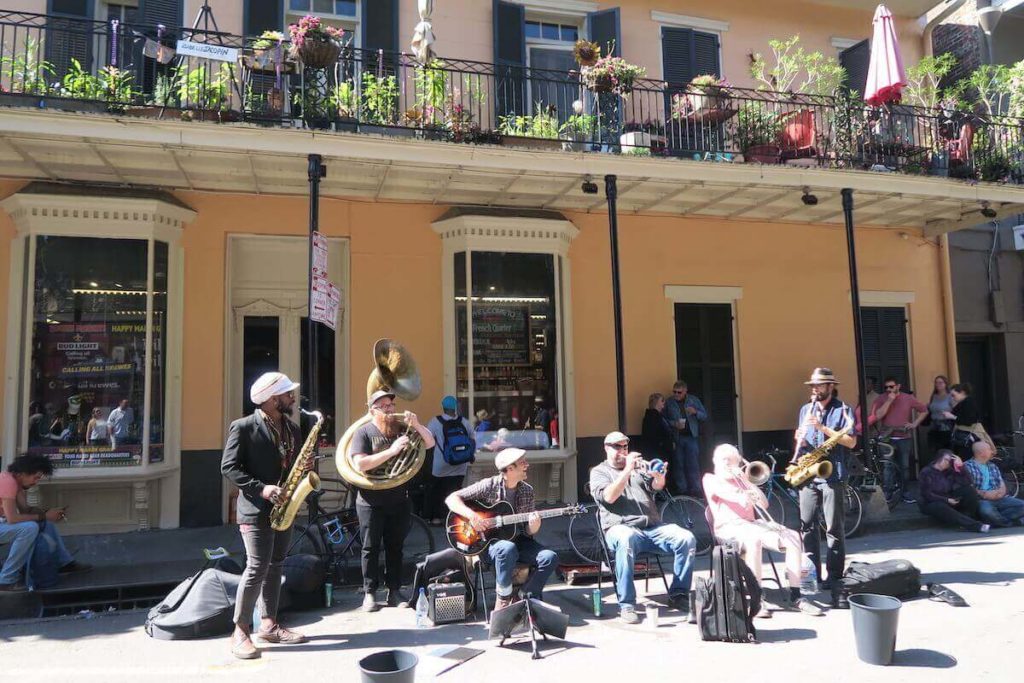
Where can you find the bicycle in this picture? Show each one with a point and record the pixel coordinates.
(882, 472)
(781, 495)
(1010, 464)
(334, 536)
(586, 537)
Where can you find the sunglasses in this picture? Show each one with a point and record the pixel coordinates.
(890, 386)
(619, 446)
(678, 391)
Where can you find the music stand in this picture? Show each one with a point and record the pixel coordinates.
(532, 614)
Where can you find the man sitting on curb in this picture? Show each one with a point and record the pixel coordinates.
(996, 508)
(22, 525)
(947, 493)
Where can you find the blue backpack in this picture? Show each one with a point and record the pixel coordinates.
(458, 448)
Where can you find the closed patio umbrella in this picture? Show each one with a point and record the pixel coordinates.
(423, 35)
(886, 77)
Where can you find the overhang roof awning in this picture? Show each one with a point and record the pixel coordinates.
(250, 159)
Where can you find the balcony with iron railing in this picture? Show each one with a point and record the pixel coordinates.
(62, 63)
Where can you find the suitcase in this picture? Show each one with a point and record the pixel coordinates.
(896, 578)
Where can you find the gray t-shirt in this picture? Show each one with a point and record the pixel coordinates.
(635, 507)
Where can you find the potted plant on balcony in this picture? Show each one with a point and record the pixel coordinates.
(611, 75)
(708, 93)
(25, 76)
(81, 91)
(757, 133)
(579, 129)
(379, 103)
(314, 43)
(539, 131)
(342, 100)
(924, 91)
(204, 94)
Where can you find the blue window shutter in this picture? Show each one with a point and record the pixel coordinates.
(380, 25)
(166, 12)
(855, 60)
(262, 15)
(687, 53)
(603, 28)
(509, 59)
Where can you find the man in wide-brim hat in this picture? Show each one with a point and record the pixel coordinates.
(821, 419)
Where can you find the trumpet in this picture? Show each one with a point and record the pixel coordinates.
(655, 466)
(749, 476)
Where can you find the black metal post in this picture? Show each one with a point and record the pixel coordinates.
(611, 192)
(858, 332)
(316, 171)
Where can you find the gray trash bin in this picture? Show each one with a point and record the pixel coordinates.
(389, 666)
(875, 619)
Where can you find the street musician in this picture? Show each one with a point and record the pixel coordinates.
(740, 512)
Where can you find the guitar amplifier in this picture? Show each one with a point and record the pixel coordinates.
(446, 603)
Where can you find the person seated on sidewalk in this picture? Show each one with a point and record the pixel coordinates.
(947, 493)
(510, 486)
(995, 507)
(732, 501)
(22, 526)
(623, 487)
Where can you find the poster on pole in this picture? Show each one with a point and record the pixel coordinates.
(319, 256)
(326, 302)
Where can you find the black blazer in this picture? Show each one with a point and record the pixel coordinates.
(250, 462)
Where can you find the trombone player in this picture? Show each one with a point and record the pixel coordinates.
(384, 514)
(823, 418)
(740, 513)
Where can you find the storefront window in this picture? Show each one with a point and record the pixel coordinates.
(510, 390)
(87, 384)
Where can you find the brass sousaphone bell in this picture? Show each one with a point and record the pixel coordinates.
(395, 371)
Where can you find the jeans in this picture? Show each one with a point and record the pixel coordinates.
(23, 537)
(264, 552)
(901, 454)
(505, 555)
(963, 515)
(388, 526)
(685, 466)
(1002, 512)
(827, 496)
(625, 542)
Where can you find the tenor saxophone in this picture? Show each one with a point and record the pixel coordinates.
(814, 464)
(300, 482)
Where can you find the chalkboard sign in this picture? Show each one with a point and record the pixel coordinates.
(501, 334)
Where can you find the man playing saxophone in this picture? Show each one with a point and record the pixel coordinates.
(259, 452)
(739, 512)
(383, 513)
(824, 418)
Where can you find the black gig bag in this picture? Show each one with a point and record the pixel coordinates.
(896, 578)
(727, 602)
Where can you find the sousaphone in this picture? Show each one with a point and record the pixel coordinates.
(394, 371)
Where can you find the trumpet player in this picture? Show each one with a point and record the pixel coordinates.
(739, 510)
(820, 420)
(259, 451)
(383, 514)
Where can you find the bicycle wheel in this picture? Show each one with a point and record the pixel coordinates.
(688, 513)
(854, 511)
(891, 480)
(1012, 483)
(585, 536)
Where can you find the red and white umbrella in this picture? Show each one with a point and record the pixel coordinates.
(886, 77)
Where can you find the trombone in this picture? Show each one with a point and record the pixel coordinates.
(750, 476)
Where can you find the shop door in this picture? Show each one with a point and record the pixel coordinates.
(706, 362)
(974, 355)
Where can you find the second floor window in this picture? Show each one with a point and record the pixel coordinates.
(342, 8)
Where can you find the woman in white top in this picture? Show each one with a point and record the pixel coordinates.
(98, 430)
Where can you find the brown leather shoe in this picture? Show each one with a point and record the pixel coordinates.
(244, 649)
(279, 634)
(501, 602)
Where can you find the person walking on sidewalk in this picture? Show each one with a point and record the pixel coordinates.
(259, 452)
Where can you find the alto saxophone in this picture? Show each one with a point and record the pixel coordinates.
(300, 482)
(814, 464)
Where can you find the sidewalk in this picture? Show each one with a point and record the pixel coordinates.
(932, 645)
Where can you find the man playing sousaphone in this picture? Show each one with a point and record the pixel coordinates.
(821, 420)
(739, 509)
(384, 514)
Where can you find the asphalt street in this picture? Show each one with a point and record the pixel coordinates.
(936, 642)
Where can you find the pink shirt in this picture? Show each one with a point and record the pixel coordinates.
(8, 489)
(728, 502)
(899, 412)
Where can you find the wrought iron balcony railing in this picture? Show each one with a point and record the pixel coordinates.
(67, 63)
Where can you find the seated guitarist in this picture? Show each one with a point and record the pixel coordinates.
(509, 486)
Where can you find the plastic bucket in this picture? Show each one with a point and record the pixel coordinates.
(389, 666)
(875, 619)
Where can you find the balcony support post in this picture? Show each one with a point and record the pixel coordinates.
(858, 331)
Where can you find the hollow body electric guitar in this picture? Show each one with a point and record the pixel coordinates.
(502, 522)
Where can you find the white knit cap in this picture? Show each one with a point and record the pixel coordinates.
(270, 384)
(507, 457)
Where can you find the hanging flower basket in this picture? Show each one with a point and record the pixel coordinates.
(318, 54)
(611, 74)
